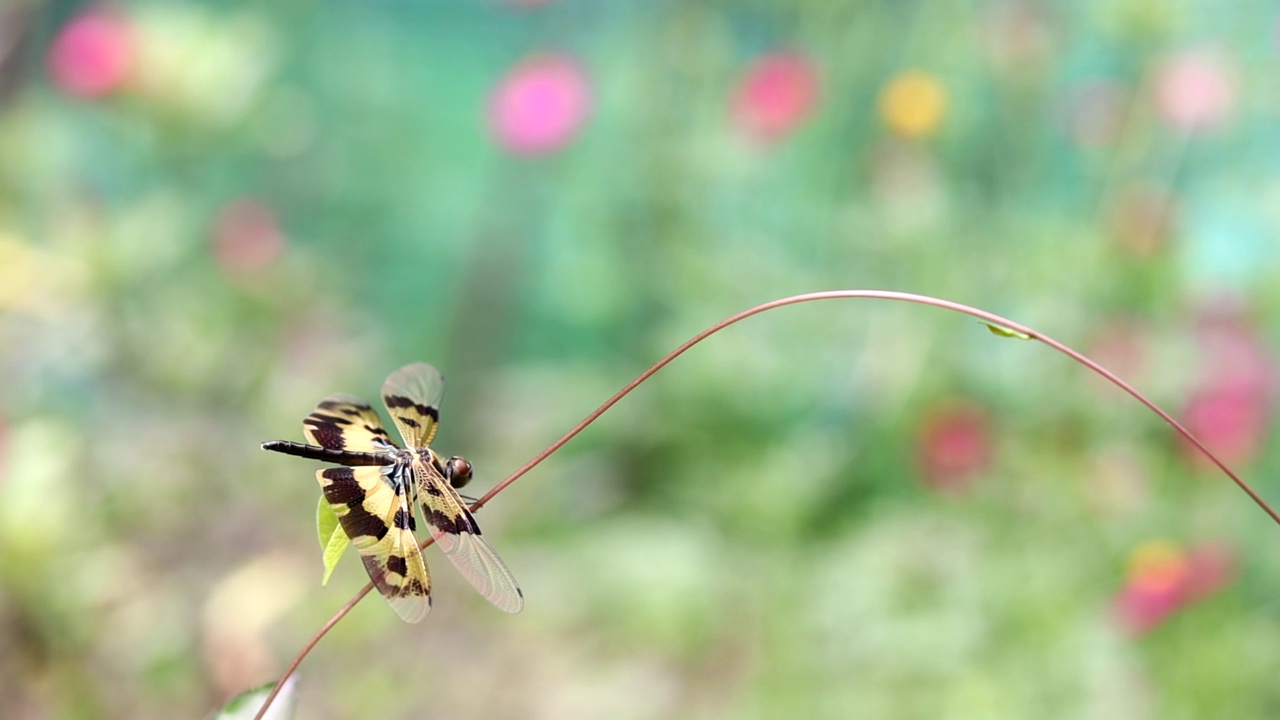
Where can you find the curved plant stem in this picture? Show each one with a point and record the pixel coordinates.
(1020, 330)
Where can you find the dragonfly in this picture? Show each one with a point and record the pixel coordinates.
(377, 483)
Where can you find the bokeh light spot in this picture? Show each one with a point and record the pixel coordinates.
(1157, 565)
(541, 105)
(775, 95)
(93, 54)
(246, 237)
(1097, 113)
(953, 445)
(913, 104)
(1163, 577)
(1196, 90)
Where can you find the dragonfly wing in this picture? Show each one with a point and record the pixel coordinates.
(412, 395)
(456, 533)
(345, 422)
(378, 518)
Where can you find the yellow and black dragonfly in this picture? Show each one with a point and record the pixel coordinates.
(378, 483)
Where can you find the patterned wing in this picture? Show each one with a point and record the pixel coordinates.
(456, 533)
(343, 422)
(375, 513)
(412, 395)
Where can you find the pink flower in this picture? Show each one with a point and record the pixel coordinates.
(540, 105)
(1141, 607)
(953, 445)
(1164, 578)
(246, 237)
(1230, 409)
(1229, 422)
(1196, 91)
(93, 54)
(775, 95)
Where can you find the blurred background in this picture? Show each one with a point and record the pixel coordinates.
(212, 215)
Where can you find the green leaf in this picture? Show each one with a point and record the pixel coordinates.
(1007, 332)
(247, 704)
(333, 541)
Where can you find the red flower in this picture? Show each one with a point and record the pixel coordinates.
(953, 445)
(93, 54)
(775, 95)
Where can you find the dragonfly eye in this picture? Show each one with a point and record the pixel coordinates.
(459, 471)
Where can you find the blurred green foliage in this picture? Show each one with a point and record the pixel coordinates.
(212, 215)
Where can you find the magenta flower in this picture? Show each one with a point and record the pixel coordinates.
(1196, 91)
(1140, 607)
(953, 445)
(246, 237)
(1164, 578)
(775, 95)
(93, 54)
(541, 105)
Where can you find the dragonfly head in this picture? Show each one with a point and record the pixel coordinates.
(457, 471)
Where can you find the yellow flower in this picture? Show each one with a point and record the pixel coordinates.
(913, 104)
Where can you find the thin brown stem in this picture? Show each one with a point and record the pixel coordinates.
(982, 315)
(306, 649)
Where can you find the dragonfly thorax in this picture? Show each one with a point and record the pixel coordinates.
(456, 470)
